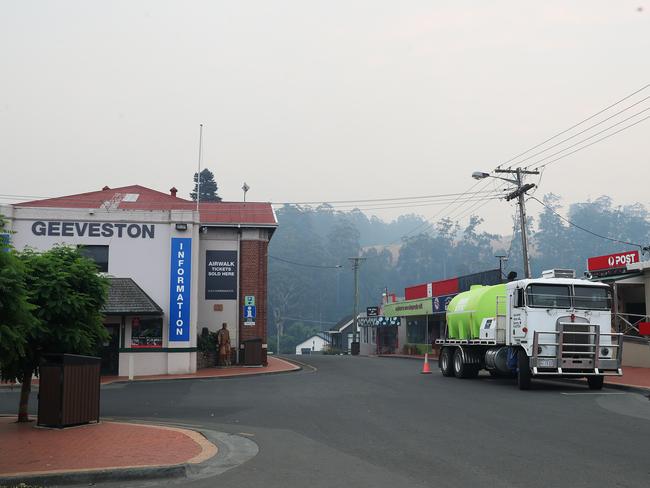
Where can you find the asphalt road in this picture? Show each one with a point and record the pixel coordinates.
(377, 422)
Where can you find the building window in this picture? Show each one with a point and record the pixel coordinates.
(416, 328)
(146, 332)
(98, 254)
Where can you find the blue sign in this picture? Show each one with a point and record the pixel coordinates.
(249, 312)
(441, 303)
(179, 289)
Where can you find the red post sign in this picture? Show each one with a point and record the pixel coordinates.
(612, 261)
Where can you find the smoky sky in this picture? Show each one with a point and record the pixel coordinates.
(317, 101)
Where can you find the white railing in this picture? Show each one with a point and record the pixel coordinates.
(628, 323)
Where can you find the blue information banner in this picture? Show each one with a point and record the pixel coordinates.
(179, 289)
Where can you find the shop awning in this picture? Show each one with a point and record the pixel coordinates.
(379, 321)
(618, 278)
(125, 297)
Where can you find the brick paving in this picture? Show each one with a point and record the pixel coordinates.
(26, 449)
(639, 377)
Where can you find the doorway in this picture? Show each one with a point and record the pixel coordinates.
(387, 340)
(110, 352)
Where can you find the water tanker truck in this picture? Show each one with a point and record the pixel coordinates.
(553, 326)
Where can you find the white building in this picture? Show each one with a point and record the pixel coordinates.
(189, 268)
(315, 343)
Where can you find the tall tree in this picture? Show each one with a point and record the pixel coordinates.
(208, 187)
(68, 295)
(16, 319)
(552, 242)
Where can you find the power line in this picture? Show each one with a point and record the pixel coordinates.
(576, 125)
(491, 196)
(591, 143)
(498, 187)
(305, 264)
(368, 200)
(428, 222)
(309, 320)
(584, 229)
(583, 131)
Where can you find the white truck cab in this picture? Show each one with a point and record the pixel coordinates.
(563, 324)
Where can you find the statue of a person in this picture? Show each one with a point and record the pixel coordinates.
(223, 345)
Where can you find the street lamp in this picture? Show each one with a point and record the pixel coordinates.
(519, 194)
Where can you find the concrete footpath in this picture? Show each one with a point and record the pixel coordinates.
(94, 452)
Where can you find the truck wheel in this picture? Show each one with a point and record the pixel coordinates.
(595, 382)
(523, 370)
(447, 361)
(461, 370)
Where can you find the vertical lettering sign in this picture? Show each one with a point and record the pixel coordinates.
(179, 289)
(221, 275)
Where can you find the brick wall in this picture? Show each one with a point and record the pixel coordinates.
(252, 281)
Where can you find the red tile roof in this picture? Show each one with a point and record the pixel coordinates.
(226, 213)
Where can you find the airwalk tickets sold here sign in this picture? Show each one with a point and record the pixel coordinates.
(179, 289)
(221, 275)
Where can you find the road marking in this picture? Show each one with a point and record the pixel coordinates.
(246, 434)
(313, 368)
(592, 393)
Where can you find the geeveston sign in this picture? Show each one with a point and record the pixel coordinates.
(58, 228)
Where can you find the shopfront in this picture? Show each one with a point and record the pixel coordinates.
(174, 269)
(629, 278)
(379, 334)
(422, 312)
(414, 330)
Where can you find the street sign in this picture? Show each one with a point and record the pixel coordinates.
(249, 312)
(249, 300)
(249, 315)
(372, 311)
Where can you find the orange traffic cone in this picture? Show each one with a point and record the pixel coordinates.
(426, 369)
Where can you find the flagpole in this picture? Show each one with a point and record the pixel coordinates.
(198, 174)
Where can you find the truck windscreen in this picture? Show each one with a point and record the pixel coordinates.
(548, 296)
(592, 298)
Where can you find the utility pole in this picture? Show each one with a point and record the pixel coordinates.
(356, 264)
(502, 258)
(519, 194)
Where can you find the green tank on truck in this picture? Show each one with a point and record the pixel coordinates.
(467, 310)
